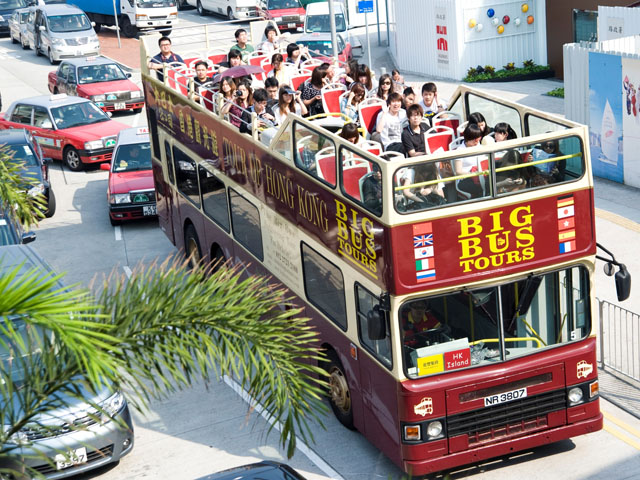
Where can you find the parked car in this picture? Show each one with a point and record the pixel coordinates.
(11, 231)
(100, 80)
(36, 166)
(18, 27)
(288, 14)
(7, 7)
(99, 435)
(265, 470)
(232, 9)
(71, 129)
(131, 192)
(61, 31)
(320, 46)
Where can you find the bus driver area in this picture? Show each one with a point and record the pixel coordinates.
(456, 330)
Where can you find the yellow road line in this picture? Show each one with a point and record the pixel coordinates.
(618, 219)
(621, 436)
(621, 424)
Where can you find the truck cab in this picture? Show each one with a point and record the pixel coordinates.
(288, 14)
(317, 21)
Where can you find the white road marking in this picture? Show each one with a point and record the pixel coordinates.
(127, 271)
(300, 445)
(118, 232)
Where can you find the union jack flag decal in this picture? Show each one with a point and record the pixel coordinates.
(422, 240)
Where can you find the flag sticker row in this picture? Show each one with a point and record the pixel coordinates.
(423, 252)
(566, 224)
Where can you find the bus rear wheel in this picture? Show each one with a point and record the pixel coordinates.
(339, 393)
(192, 247)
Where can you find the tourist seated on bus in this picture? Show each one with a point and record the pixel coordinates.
(331, 73)
(417, 318)
(234, 59)
(478, 119)
(351, 134)
(297, 55)
(365, 76)
(241, 44)
(272, 86)
(165, 56)
(398, 81)
(503, 131)
(279, 71)
(372, 190)
(408, 98)
(430, 102)
(552, 172)
(227, 88)
(266, 119)
(349, 75)
(510, 180)
(244, 99)
(390, 124)
(421, 196)
(288, 101)
(349, 103)
(461, 166)
(413, 134)
(270, 45)
(312, 89)
(384, 87)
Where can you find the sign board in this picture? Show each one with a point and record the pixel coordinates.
(365, 6)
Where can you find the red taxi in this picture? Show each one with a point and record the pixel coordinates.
(100, 80)
(70, 129)
(288, 14)
(131, 192)
(320, 46)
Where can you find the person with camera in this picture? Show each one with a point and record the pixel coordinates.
(244, 98)
(259, 107)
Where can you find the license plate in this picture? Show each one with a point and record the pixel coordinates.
(74, 457)
(505, 397)
(291, 25)
(150, 210)
(120, 106)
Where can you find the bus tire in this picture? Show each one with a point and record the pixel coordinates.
(339, 393)
(192, 247)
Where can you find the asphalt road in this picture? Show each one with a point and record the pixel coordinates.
(209, 428)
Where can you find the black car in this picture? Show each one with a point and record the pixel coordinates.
(22, 150)
(11, 231)
(265, 470)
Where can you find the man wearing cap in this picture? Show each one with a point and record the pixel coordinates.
(418, 318)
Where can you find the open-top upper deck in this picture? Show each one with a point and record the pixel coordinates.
(530, 208)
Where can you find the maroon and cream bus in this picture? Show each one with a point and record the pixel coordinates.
(456, 329)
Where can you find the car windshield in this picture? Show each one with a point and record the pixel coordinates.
(23, 17)
(69, 23)
(12, 4)
(132, 157)
(100, 73)
(77, 114)
(318, 47)
(17, 357)
(278, 4)
(23, 154)
(322, 23)
(8, 234)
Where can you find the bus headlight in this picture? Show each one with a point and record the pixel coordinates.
(575, 395)
(434, 429)
(412, 432)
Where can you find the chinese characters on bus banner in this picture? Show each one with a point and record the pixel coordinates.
(504, 238)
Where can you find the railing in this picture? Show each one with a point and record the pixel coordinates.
(619, 342)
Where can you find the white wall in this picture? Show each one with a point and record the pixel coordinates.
(616, 22)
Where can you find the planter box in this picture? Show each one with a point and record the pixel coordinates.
(520, 77)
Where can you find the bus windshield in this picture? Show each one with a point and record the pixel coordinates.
(469, 328)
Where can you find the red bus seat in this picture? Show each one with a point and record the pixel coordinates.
(327, 168)
(351, 180)
(299, 79)
(368, 111)
(331, 97)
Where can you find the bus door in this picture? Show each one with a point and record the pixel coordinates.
(165, 193)
(379, 387)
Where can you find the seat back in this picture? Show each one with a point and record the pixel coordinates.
(361, 183)
(448, 119)
(267, 67)
(216, 56)
(435, 141)
(372, 147)
(351, 177)
(256, 60)
(331, 97)
(327, 167)
(298, 79)
(310, 64)
(368, 111)
(456, 143)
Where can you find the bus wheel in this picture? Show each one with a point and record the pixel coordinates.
(192, 246)
(339, 393)
(217, 259)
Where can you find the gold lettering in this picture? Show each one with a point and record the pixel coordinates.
(470, 247)
(469, 226)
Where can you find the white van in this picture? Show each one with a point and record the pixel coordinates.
(317, 20)
(232, 9)
(61, 31)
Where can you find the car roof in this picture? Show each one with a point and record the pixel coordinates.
(82, 61)
(265, 470)
(11, 136)
(317, 37)
(59, 9)
(322, 8)
(129, 136)
(22, 256)
(52, 100)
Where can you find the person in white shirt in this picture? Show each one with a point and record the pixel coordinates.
(270, 45)
(390, 124)
(288, 101)
(430, 103)
(461, 166)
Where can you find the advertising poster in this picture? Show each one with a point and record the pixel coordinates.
(605, 108)
(631, 120)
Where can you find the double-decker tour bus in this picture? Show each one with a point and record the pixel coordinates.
(453, 292)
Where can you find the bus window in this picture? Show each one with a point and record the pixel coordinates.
(169, 160)
(186, 176)
(283, 144)
(495, 112)
(535, 125)
(361, 180)
(324, 286)
(153, 133)
(214, 198)
(245, 219)
(381, 349)
(315, 154)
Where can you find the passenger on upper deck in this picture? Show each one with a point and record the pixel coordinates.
(271, 85)
(270, 45)
(351, 134)
(503, 131)
(413, 134)
(384, 87)
(350, 71)
(279, 70)
(408, 98)
(244, 98)
(228, 92)
(552, 171)
(312, 89)
(201, 78)
(364, 77)
(390, 124)
(234, 59)
(331, 73)
(422, 196)
(461, 166)
(398, 81)
(296, 55)
(478, 119)
(349, 103)
(265, 120)
(165, 56)
(288, 101)
(372, 190)
(430, 103)
(242, 46)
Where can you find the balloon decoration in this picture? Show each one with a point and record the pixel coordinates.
(517, 21)
(495, 20)
(530, 19)
(472, 23)
(525, 7)
(479, 27)
(500, 29)
(505, 19)
(491, 12)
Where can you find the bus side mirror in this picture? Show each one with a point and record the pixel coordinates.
(623, 283)
(375, 324)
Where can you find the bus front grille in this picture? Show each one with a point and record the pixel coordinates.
(507, 419)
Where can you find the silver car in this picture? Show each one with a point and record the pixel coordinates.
(18, 27)
(94, 429)
(61, 31)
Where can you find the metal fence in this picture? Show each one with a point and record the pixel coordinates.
(619, 341)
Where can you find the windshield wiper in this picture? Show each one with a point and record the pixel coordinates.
(528, 293)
